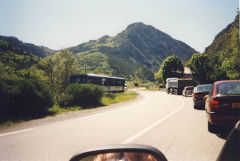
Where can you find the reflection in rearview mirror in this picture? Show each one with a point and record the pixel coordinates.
(120, 152)
(120, 156)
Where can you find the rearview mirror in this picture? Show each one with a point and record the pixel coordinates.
(231, 148)
(122, 152)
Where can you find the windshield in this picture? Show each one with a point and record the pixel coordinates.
(202, 88)
(232, 88)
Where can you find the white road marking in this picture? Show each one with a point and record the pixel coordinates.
(88, 117)
(16, 132)
(154, 124)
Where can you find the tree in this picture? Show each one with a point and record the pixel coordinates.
(47, 65)
(232, 66)
(200, 67)
(158, 76)
(58, 69)
(216, 71)
(143, 73)
(172, 66)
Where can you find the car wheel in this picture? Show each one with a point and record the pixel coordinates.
(195, 106)
(213, 128)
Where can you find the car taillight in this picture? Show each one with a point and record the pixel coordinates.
(214, 104)
(196, 95)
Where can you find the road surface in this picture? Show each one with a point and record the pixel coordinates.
(167, 122)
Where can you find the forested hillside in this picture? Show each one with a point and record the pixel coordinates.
(23, 88)
(31, 85)
(220, 61)
(224, 53)
(137, 52)
(40, 51)
(226, 40)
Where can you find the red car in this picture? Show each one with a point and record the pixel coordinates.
(223, 105)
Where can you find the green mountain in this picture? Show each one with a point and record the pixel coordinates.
(224, 53)
(40, 51)
(226, 40)
(14, 59)
(135, 52)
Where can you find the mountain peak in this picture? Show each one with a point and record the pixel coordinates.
(139, 47)
(104, 38)
(138, 25)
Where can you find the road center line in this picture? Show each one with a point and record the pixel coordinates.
(15, 132)
(154, 124)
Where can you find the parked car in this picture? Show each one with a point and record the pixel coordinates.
(187, 91)
(223, 105)
(198, 93)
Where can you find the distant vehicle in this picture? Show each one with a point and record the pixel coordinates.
(188, 90)
(198, 93)
(223, 105)
(176, 86)
(170, 84)
(110, 84)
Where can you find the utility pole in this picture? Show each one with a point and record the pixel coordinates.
(85, 69)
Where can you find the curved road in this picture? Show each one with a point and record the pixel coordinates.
(167, 122)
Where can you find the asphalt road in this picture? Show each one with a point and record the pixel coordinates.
(167, 122)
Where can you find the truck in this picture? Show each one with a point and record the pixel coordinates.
(176, 85)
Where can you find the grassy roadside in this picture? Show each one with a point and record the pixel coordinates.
(111, 98)
(108, 99)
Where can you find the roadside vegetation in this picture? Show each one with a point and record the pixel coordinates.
(205, 68)
(171, 67)
(220, 61)
(33, 87)
(111, 98)
(106, 99)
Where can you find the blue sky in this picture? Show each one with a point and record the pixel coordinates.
(58, 24)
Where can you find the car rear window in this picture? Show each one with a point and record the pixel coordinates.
(229, 88)
(204, 88)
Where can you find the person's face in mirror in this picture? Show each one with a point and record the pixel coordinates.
(107, 157)
(125, 156)
(134, 156)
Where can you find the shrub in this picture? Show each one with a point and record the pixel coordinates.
(82, 95)
(109, 95)
(23, 98)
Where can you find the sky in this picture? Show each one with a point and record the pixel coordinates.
(59, 24)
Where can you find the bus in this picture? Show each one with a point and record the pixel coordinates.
(110, 84)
